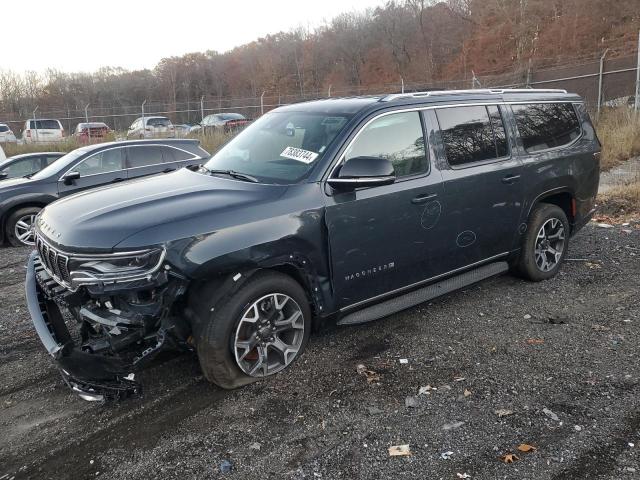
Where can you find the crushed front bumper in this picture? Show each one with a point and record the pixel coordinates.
(93, 377)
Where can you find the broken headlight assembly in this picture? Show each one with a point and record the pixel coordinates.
(115, 267)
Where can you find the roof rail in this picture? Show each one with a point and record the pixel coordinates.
(431, 93)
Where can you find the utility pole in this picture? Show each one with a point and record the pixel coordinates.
(604, 54)
(636, 104)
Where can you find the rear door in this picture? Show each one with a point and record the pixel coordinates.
(101, 168)
(482, 183)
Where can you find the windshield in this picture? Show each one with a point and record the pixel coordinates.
(61, 164)
(280, 147)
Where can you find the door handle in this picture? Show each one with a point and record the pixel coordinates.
(510, 179)
(423, 198)
(167, 170)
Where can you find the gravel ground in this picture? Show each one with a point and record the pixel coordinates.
(559, 358)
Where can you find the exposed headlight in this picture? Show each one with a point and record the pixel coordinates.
(114, 267)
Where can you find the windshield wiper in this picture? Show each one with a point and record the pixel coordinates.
(29, 175)
(232, 173)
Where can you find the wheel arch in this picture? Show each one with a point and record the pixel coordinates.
(563, 198)
(13, 208)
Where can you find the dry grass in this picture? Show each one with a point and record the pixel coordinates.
(211, 142)
(619, 131)
(622, 201)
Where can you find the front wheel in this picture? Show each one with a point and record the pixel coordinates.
(259, 332)
(19, 227)
(545, 244)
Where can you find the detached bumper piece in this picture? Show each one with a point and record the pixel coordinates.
(94, 377)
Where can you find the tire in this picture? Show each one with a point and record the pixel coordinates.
(543, 252)
(15, 225)
(221, 325)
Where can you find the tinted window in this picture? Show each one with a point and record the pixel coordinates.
(45, 124)
(175, 155)
(23, 167)
(102, 162)
(4, 128)
(144, 156)
(467, 134)
(158, 122)
(546, 125)
(397, 137)
(49, 159)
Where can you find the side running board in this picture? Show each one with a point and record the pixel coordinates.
(423, 294)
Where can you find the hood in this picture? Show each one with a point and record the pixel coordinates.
(9, 184)
(100, 219)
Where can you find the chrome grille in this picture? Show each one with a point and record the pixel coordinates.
(53, 261)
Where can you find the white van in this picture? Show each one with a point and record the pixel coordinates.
(42, 130)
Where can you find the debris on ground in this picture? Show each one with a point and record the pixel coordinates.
(374, 410)
(370, 375)
(509, 458)
(535, 341)
(399, 451)
(525, 447)
(550, 414)
(446, 455)
(466, 393)
(503, 412)
(452, 425)
(527, 316)
(411, 402)
(605, 225)
(255, 446)
(463, 475)
(226, 466)
(426, 390)
(404, 361)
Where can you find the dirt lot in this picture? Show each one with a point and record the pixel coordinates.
(567, 347)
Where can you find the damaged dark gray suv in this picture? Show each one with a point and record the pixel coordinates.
(341, 209)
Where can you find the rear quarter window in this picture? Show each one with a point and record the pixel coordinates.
(542, 126)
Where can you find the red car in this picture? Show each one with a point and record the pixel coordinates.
(88, 132)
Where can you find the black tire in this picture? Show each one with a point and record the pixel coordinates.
(13, 219)
(528, 264)
(218, 323)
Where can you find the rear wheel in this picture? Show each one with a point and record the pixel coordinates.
(259, 332)
(19, 226)
(545, 244)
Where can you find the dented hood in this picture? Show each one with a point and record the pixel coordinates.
(168, 206)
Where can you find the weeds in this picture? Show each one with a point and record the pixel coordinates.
(619, 132)
(621, 201)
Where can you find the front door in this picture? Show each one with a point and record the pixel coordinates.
(102, 168)
(386, 237)
(482, 183)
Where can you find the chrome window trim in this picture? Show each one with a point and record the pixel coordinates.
(193, 155)
(462, 103)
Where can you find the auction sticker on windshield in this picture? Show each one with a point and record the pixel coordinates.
(299, 154)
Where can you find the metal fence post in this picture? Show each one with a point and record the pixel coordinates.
(402, 85)
(604, 54)
(201, 108)
(35, 121)
(636, 104)
(262, 103)
(144, 130)
(329, 91)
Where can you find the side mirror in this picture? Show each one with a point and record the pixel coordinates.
(69, 177)
(3, 175)
(364, 172)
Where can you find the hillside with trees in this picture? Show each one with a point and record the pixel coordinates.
(421, 41)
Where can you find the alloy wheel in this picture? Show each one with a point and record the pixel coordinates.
(269, 335)
(23, 229)
(550, 243)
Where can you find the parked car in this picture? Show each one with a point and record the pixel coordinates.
(87, 167)
(87, 132)
(3, 157)
(6, 134)
(347, 209)
(27, 164)
(221, 122)
(182, 130)
(151, 127)
(42, 130)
